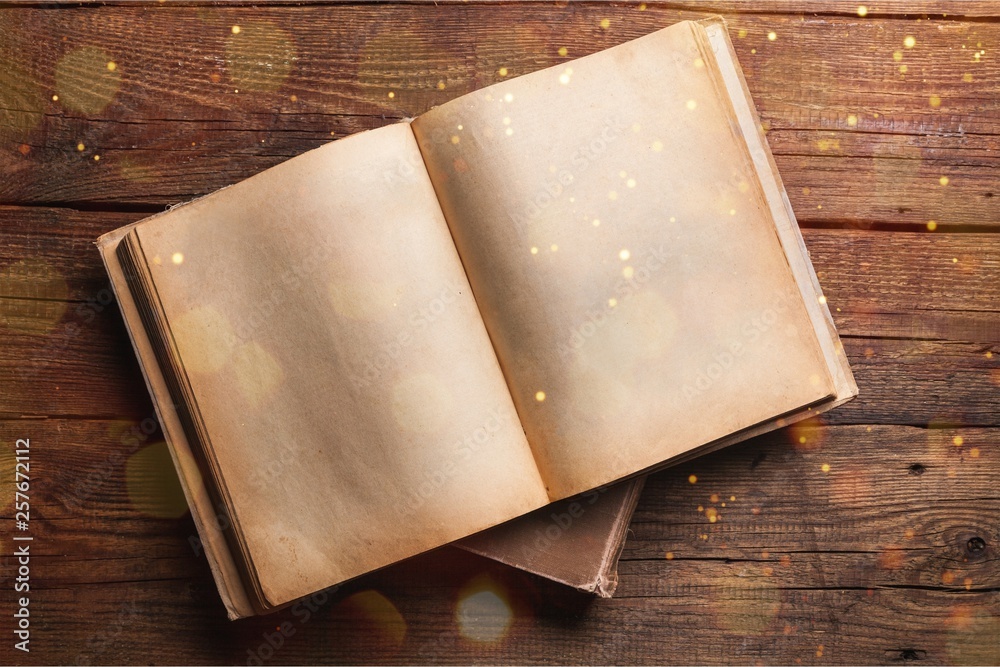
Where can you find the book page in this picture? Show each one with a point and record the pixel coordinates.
(339, 364)
(624, 258)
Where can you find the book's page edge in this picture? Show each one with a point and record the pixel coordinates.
(220, 560)
(786, 225)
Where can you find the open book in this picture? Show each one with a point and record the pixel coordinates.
(419, 332)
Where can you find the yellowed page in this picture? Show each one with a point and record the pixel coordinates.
(339, 363)
(624, 258)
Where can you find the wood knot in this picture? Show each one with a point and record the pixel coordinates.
(917, 469)
(975, 544)
(906, 655)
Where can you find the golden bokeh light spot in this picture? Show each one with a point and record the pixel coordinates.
(112, 65)
(903, 69)
(422, 404)
(967, 77)
(177, 258)
(934, 101)
(605, 23)
(260, 56)
(714, 498)
(974, 452)
(628, 272)
(508, 131)
(909, 41)
(539, 396)
(81, 147)
(372, 615)
(258, 373)
(670, 555)
(699, 63)
(509, 97)
(742, 33)
(771, 36)
(691, 105)
(897, 55)
(862, 11)
(554, 247)
(944, 180)
(711, 514)
(852, 120)
(502, 71)
(391, 96)
(692, 479)
(931, 225)
(612, 195)
(612, 302)
(630, 183)
(39, 294)
(825, 467)
(84, 80)
(483, 613)
(563, 51)
(441, 85)
(534, 250)
(958, 441)
(152, 484)
(624, 254)
(235, 30)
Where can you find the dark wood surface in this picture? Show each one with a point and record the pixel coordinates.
(869, 537)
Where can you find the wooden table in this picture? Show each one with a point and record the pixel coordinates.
(870, 537)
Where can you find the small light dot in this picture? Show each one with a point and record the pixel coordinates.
(897, 55)
(825, 467)
(974, 452)
(935, 101)
(112, 66)
(612, 195)
(509, 131)
(605, 23)
(554, 247)
(294, 98)
(822, 299)
(753, 50)
(630, 183)
(508, 97)
(455, 139)
(539, 396)
(563, 51)
(391, 94)
(771, 36)
(967, 78)
(802, 439)
(502, 71)
(931, 225)
(440, 85)
(97, 158)
(852, 120)
(692, 479)
(673, 219)
(691, 104)
(742, 33)
(596, 222)
(236, 30)
(177, 257)
(699, 63)
(958, 440)
(670, 555)
(55, 98)
(657, 146)
(862, 11)
(943, 180)
(909, 42)
(612, 302)
(628, 272)
(534, 250)
(732, 498)
(80, 147)
(732, 211)
(624, 255)
(903, 69)
(506, 120)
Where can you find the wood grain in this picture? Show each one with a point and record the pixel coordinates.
(869, 538)
(168, 124)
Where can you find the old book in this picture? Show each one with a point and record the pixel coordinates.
(417, 333)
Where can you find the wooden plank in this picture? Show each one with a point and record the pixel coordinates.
(174, 126)
(866, 558)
